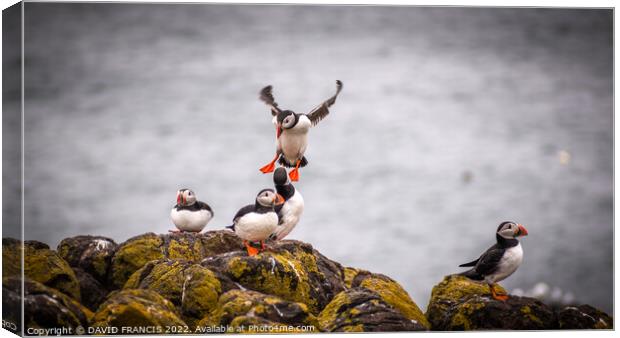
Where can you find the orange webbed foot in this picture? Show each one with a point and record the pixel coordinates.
(496, 296)
(502, 298)
(268, 168)
(294, 175)
(252, 251)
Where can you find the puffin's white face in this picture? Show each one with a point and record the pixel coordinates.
(268, 198)
(186, 197)
(288, 122)
(510, 230)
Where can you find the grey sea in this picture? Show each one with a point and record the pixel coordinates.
(451, 121)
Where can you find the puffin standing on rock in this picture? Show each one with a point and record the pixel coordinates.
(499, 261)
(256, 222)
(292, 131)
(189, 214)
(290, 211)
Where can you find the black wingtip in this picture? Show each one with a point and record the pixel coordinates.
(231, 227)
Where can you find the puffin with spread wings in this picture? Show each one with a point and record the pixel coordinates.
(292, 131)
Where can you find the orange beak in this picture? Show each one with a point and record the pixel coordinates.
(278, 130)
(522, 230)
(179, 198)
(279, 199)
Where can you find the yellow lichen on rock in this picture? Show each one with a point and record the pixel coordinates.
(349, 275)
(394, 294)
(362, 310)
(41, 264)
(287, 279)
(136, 309)
(247, 304)
(134, 254)
(192, 288)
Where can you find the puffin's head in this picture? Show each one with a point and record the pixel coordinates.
(268, 198)
(280, 177)
(511, 230)
(185, 197)
(287, 119)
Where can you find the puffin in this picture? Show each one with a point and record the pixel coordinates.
(256, 222)
(189, 214)
(292, 131)
(290, 211)
(499, 261)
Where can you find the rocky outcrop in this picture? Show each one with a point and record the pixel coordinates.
(237, 307)
(136, 309)
(137, 251)
(458, 303)
(207, 283)
(40, 264)
(362, 310)
(44, 307)
(193, 289)
(92, 291)
(92, 254)
(583, 317)
(291, 270)
(392, 293)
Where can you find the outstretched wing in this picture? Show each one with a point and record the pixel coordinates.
(318, 113)
(267, 97)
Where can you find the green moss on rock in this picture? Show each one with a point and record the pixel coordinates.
(458, 303)
(40, 264)
(192, 288)
(362, 310)
(134, 253)
(293, 271)
(246, 303)
(392, 293)
(136, 308)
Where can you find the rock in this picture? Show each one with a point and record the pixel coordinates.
(192, 288)
(292, 270)
(458, 303)
(92, 292)
(240, 306)
(584, 317)
(361, 310)
(137, 251)
(92, 254)
(11, 257)
(40, 264)
(44, 307)
(392, 293)
(349, 273)
(136, 309)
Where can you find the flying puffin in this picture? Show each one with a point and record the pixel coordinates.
(290, 211)
(292, 131)
(256, 222)
(189, 214)
(501, 260)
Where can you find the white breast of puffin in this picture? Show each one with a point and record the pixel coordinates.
(187, 220)
(256, 227)
(290, 214)
(509, 263)
(293, 146)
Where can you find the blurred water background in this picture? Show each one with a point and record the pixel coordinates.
(451, 120)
